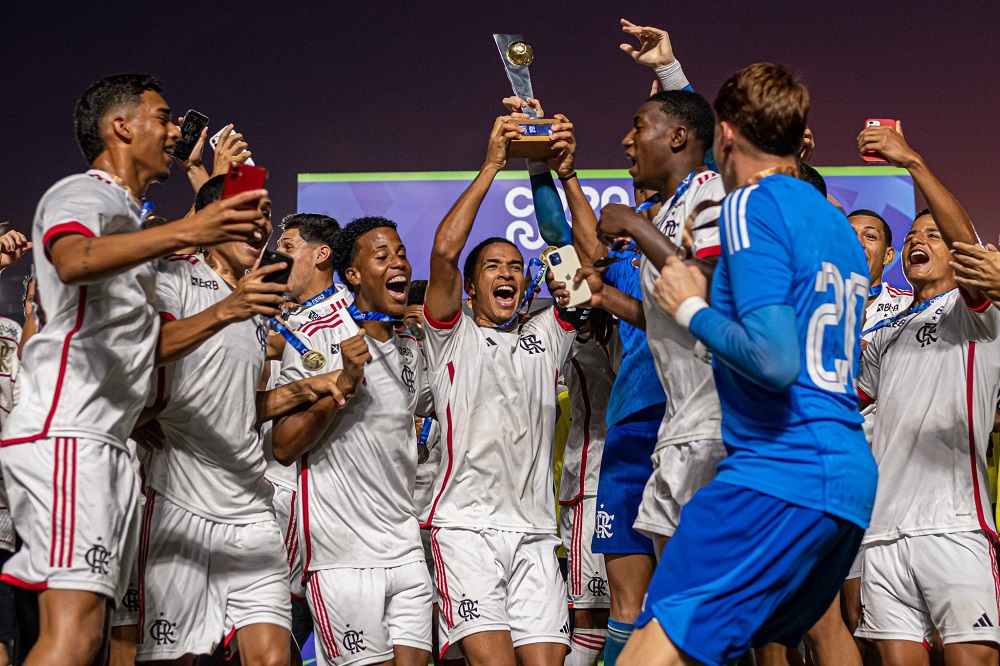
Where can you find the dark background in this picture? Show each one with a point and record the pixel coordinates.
(399, 86)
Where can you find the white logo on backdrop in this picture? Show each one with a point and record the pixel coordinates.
(519, 204)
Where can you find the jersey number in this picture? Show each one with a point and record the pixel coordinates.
(843, 309)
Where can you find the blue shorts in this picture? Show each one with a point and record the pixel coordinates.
(626, 466)
(745, 569)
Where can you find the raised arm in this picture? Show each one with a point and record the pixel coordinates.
(443, 299)
(81, 258)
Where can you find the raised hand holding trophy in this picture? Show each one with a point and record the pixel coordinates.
(516, 56)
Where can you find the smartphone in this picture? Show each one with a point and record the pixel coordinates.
(191, 129)
(872, 156)
(564, 263)
(243, 178)
(213, 141)
(268, 257)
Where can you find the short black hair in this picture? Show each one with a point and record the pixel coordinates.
(886, 229)
(111, 92)
(811, 176)
(416, 294)
(313, 228)
(692, 110)
(470, 261)
(925, 211)
(345, 246)
(210, 192)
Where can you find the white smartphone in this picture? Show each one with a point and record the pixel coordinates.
(214, 141)
(564, 263)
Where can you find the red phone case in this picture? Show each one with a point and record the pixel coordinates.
(871, 156)
(243, 178)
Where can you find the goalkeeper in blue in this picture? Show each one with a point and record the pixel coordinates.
(762, 550)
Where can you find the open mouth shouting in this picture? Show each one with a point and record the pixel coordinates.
(256, 244)
(504, 296)
(918, 257)
(396, 286)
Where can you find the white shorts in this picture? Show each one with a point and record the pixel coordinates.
(360, 614)
(855, 571)
(679, 471)
(588, 578)
(913, 585)
(199, 580)
(73, 501)
(494, 580)
(127, 613)
(283, 500)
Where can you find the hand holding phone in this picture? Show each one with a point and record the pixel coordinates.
(243, 178)
(191, 128)
(872, 156)
(268, 258)
(231, 149)
(564, 263)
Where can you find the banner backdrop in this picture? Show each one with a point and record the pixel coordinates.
(417, 201)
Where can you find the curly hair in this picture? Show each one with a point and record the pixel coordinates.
(345, 247)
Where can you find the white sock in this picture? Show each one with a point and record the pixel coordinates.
(586, 646)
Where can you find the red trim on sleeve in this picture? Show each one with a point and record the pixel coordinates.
(166, 316)
(566, 327)
(442, 325)
(864, 397)
(23, 584)
(975, 307)
(706, 252)
(64, 229)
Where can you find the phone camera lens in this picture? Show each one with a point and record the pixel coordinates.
(555, 259)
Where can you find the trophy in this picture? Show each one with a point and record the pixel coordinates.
(516, 56)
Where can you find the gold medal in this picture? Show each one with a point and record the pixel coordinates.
(423, 453)
(520, 54)
(313, 360)
(544, 256)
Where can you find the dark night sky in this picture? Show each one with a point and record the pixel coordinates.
(365, 86)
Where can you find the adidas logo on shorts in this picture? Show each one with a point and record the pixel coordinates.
(982, 622)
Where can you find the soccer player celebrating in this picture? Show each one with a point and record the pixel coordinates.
(884, 300)
(92, 361)
(493, 379)
(762, 550)
(367, 583)
(929, 557)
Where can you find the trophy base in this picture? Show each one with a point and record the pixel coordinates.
(534, 144)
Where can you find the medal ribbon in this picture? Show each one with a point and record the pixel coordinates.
(358, 315)
(425, 432)
(290, 337)
(147, 209)
(875, 290)
(530, 292)
(320, 297)
(912, 311)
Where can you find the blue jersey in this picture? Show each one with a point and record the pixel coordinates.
(785, 244)
(637, 386)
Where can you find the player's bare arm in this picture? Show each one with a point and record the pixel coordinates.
(283, 400)
(250, 297)
(444, 289)
(301, 430)
(81, 260)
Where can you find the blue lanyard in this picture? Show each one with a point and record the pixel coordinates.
(425, 432)
(320, 297)
(358, 315)
(290, 337)
(529, 293)
(903, 315)
(147, 208)
(875, 291)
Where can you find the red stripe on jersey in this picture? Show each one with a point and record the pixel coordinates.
(565, 325)
(81, 309)
(442, 579)
(55, 504)
(147, 519)
(893, 291)
(72, 506)
(62, 489)
(993, 568)
(404, 336)
(575, 550)
(305, 511)
(706, 252)
(332, 320)
(447, 472)
(190, 258)
(329, 316)
(443, 325)
(970, 372)
(981, 306)
(864, 397)
(23, 584)
(324, 618)
(166, 316)
(64, 229)
(586, 428)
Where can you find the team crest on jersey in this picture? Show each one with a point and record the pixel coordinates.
(468, 609)
(670, 228)
(98, 558)
(7, 351)
(334, 348)
(598, 586)
(604, 523)
(163, 631)
(130, 600)
(408, 378)
(354, 641)
(531, 344)
(312, 316)
(927, 334)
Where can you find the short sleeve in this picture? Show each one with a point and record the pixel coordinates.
(73, 207)
(558, 334)
(705, 236)
(169, 299)
(754, 237)
(978, 322)
(442, 339)
(871, 360)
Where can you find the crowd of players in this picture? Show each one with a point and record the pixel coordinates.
(185, 478)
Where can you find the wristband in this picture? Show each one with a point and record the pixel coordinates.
(569, 177)
(671, 76)
(688, 309)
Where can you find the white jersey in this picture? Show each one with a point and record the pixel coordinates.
(935, 375)
(92, 358)
(889, 303)
(693, 412)
(495, 394)
(355, 495)
(212, 463)
(10, 335)
(589, 378)
(427, 471)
